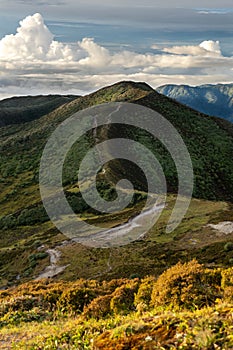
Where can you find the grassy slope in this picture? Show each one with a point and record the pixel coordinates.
(19, 110)
(21, 147)
(197, 330)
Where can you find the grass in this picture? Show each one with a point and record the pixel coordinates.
(150, 255)
(144, 257)
(32, 317)
(174, 329)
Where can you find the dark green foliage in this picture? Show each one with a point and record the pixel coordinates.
(228, 246)
(26, 217)
(23, 219)
(19, 110)
(210, 143)
(38, 256)
(77, 203)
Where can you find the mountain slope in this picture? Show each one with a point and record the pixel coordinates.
(19, 110)
(24, 225)
(215, 100)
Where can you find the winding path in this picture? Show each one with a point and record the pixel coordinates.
(53, 269)
(136, 228)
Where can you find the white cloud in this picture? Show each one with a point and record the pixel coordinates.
(97, 56)
(33, 40)
(211, 47)
(32, 62)
(214, 11)
(206, 48)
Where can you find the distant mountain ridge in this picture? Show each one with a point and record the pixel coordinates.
(214, 100)
(23, 109)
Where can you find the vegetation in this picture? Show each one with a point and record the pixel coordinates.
(147, 294)
(23, 220)
(19, 110)
(87, 314)
(188, 285)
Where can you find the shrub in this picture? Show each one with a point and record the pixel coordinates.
(186, 285)
(99, 307)
(122, 300)
(228, 247)
(227, 284)
(227, 278)
(75, 298)
(22, 303)
(52, 296)
(143, 296)
(41, 255)
(110, 286)
(228, 294)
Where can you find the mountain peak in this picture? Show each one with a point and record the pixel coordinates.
(133, 84)
(215, 100)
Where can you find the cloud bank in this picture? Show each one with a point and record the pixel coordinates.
(32, 62)
(214, 11)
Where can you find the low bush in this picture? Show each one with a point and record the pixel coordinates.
(75, 298)
(143, 296)
(122, 301)
(187, 285)
(99, 307)
(227, 284)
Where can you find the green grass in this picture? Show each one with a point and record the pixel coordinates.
(185, 330)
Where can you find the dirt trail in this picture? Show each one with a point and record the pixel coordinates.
(121, 234)
(53, 269)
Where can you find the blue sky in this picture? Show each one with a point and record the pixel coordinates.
(144, 34)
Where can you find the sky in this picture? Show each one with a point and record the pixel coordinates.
(69, 46)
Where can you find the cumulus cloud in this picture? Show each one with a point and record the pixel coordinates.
(206, 48)
(97, 55)
(32, 62)
(32, 40)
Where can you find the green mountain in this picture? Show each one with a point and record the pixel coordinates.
(19, 110)
(150, 293)
(214, 100)
(28, 240)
